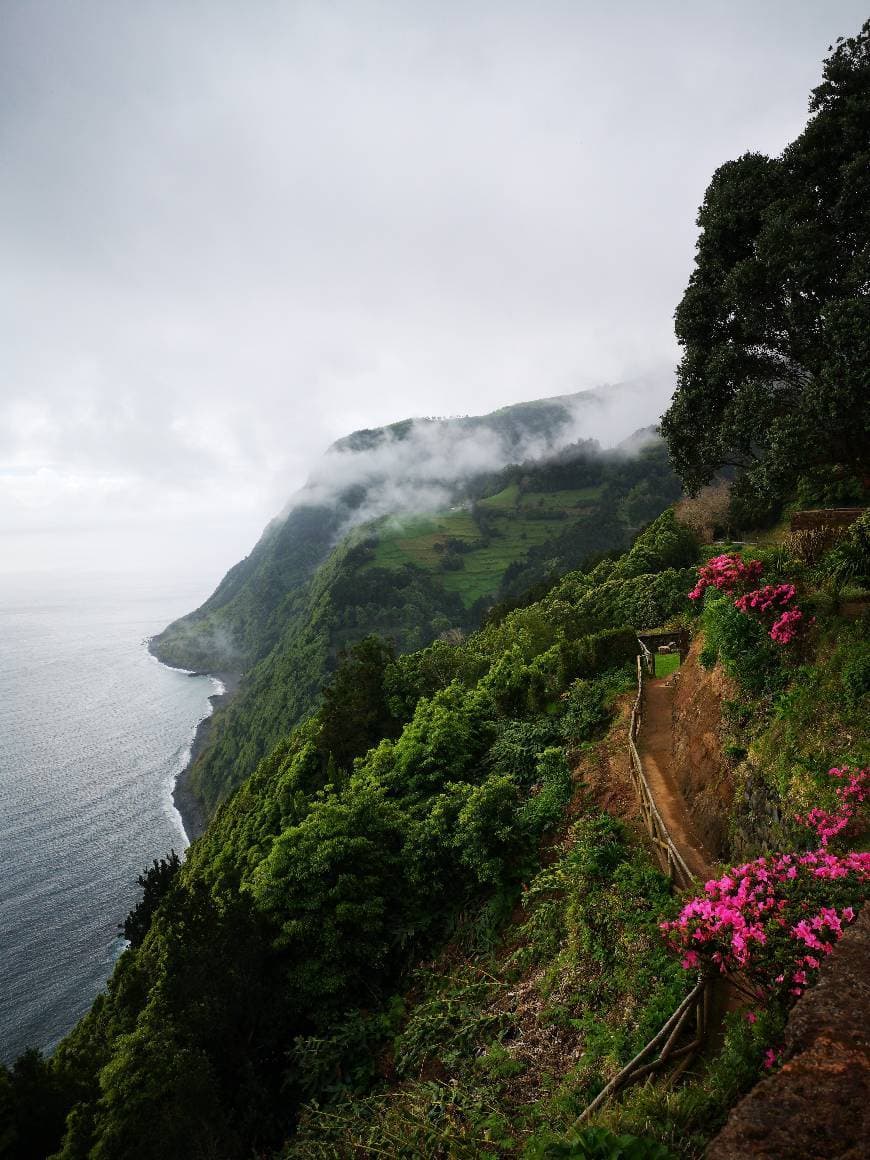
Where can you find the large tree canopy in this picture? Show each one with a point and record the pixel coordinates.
(775, 321)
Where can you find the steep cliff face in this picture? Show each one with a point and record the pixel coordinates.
(819, 1103)
(735, 812)
(700, 766)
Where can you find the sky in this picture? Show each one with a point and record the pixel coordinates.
(233, 232)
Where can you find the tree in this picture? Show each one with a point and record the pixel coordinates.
(355, 713)
(775, 321)
(33, 1106)
(155, 881)
(708, 513)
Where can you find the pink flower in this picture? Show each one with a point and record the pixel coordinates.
(725, 573)
(850, 797)
(758, 919)
(770, 598)
(785, 629)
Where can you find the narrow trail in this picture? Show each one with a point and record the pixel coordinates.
(655, 745)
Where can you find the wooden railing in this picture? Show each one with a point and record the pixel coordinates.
(647, 660)
(665, 1047)
(672, 860)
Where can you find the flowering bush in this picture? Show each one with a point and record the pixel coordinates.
(773, 920)
(787, 626)
(726, 573)
(850, 796)
(772, 597)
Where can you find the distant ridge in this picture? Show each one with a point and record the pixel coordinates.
(407, 531)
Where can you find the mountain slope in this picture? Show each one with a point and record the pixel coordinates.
(268, 971)
(413, 467)
(323, 576)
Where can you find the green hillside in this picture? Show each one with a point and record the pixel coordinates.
(409, 579)
(471, 559)
(415, 927)
(244, 617)
(241, 621)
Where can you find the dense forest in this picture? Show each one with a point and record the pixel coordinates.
(417, 924)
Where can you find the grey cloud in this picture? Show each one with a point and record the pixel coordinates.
(232, 232)
(415, 469)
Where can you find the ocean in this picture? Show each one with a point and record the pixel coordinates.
(93, 732)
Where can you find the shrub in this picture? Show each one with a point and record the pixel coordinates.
(708, 513)
(856, 676)
(664, 544)
(849, 561)
(156, 881)
(518, 746)
(760, 920)
(741, 645)
(485, 833)
(601, 1144)
(586, 710)
(552, 792)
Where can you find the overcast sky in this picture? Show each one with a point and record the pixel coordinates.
(231, 232)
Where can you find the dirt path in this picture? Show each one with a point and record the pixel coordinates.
(655, 744)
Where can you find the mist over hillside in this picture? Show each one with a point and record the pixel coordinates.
(409, 532)
(424, 464)
(415, 467)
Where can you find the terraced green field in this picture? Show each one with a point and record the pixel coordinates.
(413, 541)
(518, 521)
(512, 500)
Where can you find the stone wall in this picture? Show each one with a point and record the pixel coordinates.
(818, 1105)
(816, 518)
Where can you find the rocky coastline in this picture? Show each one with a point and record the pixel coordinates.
(186, 802)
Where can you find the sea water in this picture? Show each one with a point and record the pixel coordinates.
(93, 732)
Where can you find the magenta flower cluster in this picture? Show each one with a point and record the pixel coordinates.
(726, 573)
(787, 626)
(729, 572)
(851, 795)
(775, 599)
(767, 920)
(771, 1058)
(770, 598)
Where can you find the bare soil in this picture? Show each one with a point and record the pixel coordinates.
(656, 746)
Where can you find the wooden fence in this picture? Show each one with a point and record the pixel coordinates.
(693, 1014)
(663, 1048)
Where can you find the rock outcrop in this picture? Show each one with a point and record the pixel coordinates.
(818, 1106)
